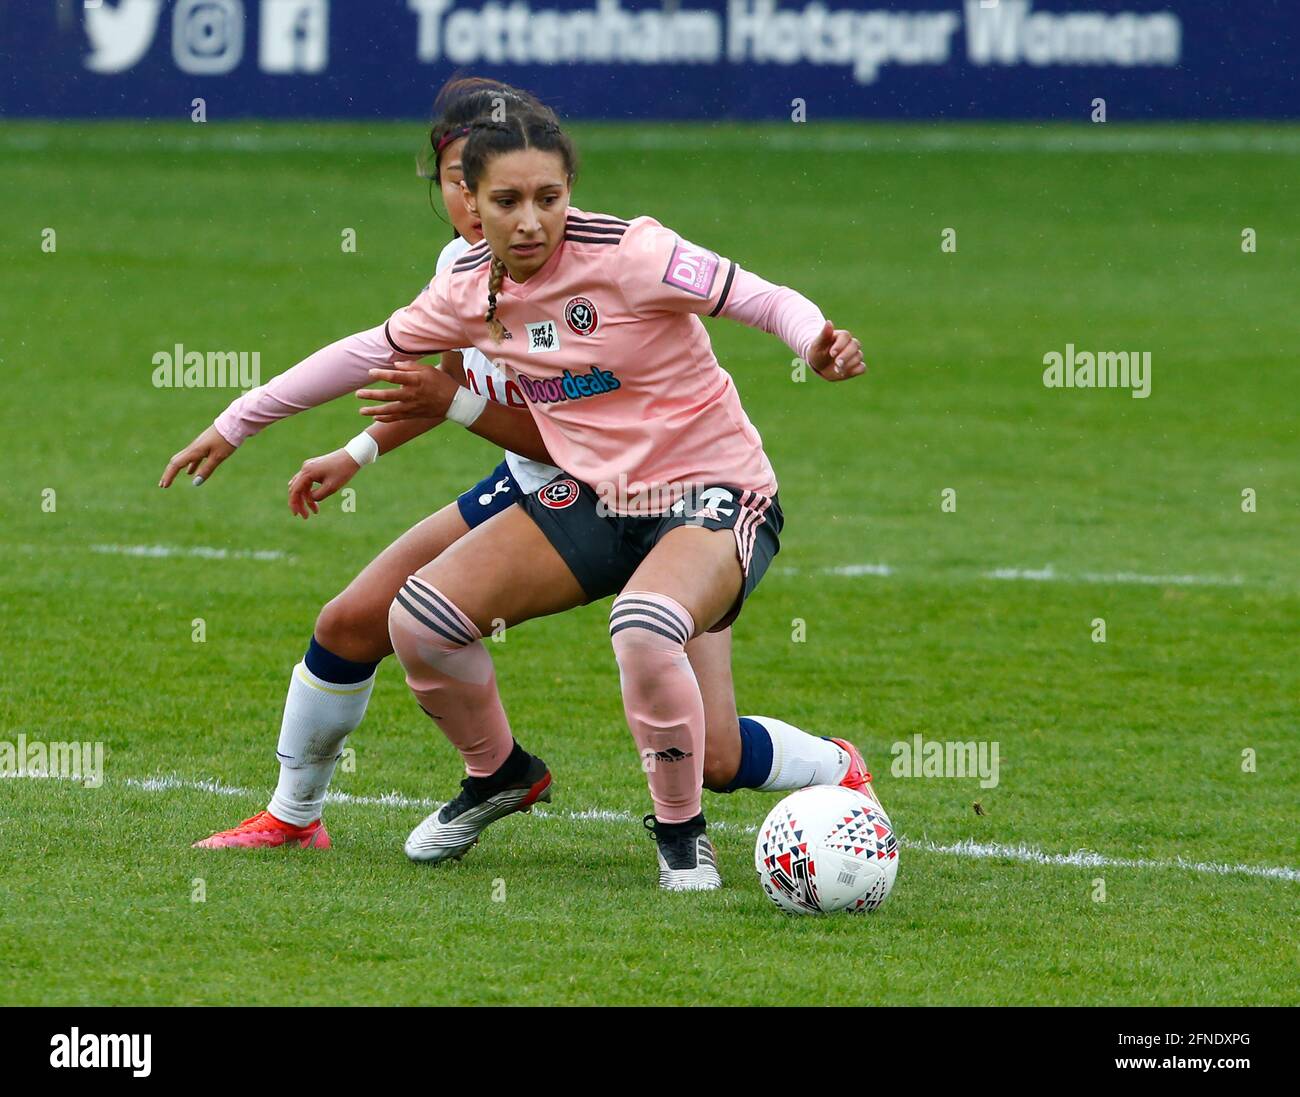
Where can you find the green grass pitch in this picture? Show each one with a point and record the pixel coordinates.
(1137, 750)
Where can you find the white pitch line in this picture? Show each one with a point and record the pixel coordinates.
(388, 800)
(1046, 574)
(1049, 574)
(205, 551)
(1087, 859)
(1163, 580)
(883, 570)
(848, 571)
(216, 788)
(966, 848)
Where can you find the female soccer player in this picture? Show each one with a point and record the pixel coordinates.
(330, 688)
(597, 320)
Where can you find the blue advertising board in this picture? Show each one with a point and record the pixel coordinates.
(677, 59)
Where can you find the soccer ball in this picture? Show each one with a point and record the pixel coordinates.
(824, 849)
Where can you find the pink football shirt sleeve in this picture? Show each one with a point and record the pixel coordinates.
(777, 310)
(332, 371)
(428, 325)
(658, 271)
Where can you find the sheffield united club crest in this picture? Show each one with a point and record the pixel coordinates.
(580, 315)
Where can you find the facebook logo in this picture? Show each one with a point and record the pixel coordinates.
(295, 36)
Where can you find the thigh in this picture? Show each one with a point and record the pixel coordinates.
(593, 543)
(354, 623)
(378, 583)
(696, 567)
(504, 571)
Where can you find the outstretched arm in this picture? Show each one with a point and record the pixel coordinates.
(514, 429)
(320, 477)
(426, 326)
(419, 403)
(341, 367)
(659, 272)
(423, 393)
(783, 312)
(389, 434)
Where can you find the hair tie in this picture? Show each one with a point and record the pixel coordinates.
(450, 136)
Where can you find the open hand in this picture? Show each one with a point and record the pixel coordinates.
(198, 459)
(423, 392)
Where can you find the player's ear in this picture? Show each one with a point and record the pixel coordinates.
(468, 195)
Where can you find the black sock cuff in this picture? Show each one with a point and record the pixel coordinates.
(513, 768)
(329, 667)
(692, 824)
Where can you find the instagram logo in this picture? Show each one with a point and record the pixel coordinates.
(208, 36)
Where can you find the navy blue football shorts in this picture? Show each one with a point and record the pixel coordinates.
(491, 495)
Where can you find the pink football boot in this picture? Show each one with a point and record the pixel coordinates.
(858, 776)
(263, 831)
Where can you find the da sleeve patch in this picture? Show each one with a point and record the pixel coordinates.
(692, 269)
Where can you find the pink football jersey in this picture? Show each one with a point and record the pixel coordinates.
(606, 344)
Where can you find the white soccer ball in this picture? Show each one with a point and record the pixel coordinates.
(826, 848)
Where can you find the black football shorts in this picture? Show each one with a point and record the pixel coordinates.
(604, 549)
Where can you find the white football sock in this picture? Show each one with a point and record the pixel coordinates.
(318, 717)
(800, 759)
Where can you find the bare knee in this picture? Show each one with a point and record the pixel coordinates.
(352, 628)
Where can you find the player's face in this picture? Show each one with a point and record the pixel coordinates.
(522, 201)
(450, 176)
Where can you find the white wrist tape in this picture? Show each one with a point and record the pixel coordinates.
(466, 407)
(363, 449)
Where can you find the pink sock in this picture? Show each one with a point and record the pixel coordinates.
(661, 698)
(451, 675)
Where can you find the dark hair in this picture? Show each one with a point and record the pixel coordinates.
(463, 100)
(530, 129)
(488, 139)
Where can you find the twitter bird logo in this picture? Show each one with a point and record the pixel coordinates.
(120, 36)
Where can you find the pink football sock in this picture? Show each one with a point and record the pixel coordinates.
(661, 698)
(451, 674)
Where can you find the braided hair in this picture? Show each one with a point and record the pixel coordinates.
(496, 275)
